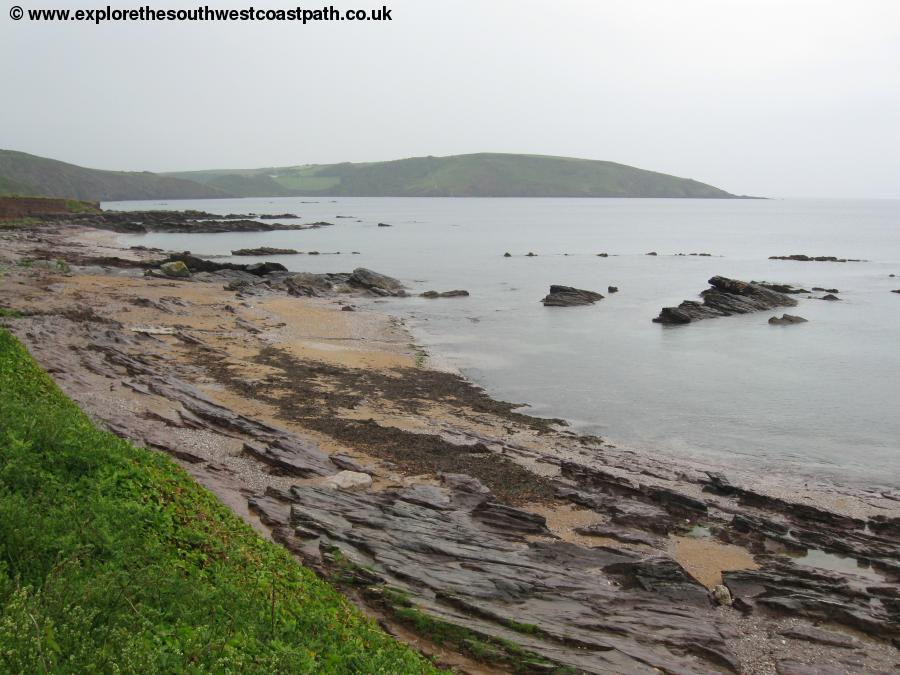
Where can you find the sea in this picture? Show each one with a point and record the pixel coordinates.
(819, 399)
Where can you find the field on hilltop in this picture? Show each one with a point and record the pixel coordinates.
(478, 175)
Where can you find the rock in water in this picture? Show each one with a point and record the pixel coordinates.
(175, 269)
(384, 225)
(786, 320)
(613, 289)
(507, 255)
(830, 297)
(726, 297)
(348, 480)
(813, 258)
(458, 293)
(567, 296)
(265, 250)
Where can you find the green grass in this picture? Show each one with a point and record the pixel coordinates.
(113, 560)
(476, 175)
(24, 174)
(78, 206)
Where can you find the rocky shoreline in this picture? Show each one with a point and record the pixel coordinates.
(493, 540)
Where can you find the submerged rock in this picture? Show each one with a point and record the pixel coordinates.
(786, 320)
(830, 297)
(567, 296)
(384, 225)
(781, 288)
(265, 250)
(458, 293)
(725, 298)
(818, 258)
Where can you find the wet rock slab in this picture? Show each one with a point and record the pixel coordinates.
(465, 558)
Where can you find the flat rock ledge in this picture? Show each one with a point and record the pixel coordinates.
(725, 298)
(567, 296)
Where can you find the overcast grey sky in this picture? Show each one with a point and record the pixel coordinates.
(769, 97)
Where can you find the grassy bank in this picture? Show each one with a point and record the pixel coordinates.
(113, 560)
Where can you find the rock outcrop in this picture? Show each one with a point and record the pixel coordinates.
(725, 298)
(175, 269)
(172, 221)
(567, 296)
(466, 558)
(196, 264)
(375, 283)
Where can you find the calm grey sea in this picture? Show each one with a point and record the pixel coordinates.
(817, 399)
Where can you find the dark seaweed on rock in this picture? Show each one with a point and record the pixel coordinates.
(725, 298)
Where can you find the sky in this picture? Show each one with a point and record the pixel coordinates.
(781, 98)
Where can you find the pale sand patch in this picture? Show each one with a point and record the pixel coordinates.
(562, 519)
(706, 559)
(350, 339)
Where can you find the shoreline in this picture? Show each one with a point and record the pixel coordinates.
(354, 389)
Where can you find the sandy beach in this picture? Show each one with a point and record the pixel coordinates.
(268, 400)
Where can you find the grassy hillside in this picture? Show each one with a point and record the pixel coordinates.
(113, 560)
(29, 175)
(479, 175)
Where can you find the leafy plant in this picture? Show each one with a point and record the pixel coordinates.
(112, 559)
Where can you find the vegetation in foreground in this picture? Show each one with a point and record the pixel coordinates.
(113, 560)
